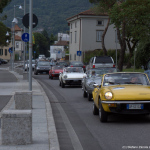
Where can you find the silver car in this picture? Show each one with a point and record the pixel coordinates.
(93, 77)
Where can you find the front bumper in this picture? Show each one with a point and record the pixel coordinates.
(121, 107)
(72, 81)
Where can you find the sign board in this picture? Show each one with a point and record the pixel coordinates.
(10, 50)
(25, 20)
(79, 53)
(25, 37)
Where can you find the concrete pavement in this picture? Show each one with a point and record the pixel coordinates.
(44, 133)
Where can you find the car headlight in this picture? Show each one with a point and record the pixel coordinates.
(65, 76)
(37, 68)
(108, 95)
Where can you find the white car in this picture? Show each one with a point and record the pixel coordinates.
(71, 76)
(27, 65)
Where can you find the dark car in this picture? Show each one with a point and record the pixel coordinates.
(77, 64)
(3, 61)
(94, 76)
(41, 67)
(62, 63)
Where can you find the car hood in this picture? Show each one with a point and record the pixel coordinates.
(75, 75)
(58, 70)
(130, 92)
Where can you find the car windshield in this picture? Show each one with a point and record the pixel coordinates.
(73, 69)
(52, 63)
(57, 67)
(43, 63)
(100, 72)
(125, 78)
(61, 63)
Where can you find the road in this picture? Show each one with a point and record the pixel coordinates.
(79, 129)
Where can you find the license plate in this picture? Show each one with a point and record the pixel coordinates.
(135, 106)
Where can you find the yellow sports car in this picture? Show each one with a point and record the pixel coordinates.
(123, 93)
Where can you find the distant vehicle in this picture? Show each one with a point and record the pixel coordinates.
(42, 57)
(77, 64)
(26, 67)
(71, 76)
(100, 61)
(55, 71)
(3, 61)
(94, 76)
(62, 63)
(41, 67)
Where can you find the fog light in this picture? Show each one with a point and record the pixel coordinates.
(112, 105)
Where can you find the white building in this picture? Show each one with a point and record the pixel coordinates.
(86, 30)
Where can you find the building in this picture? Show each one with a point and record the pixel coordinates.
(86, 30)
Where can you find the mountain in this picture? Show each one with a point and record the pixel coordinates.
(51, 14)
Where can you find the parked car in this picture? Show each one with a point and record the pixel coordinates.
(55, 71)
(3, 61)
(41, 67)
(77, 64)
(94, 76)
(71, 76)
(100, 61)
(26, 67)
(122, 93)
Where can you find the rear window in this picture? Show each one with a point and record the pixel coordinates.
(103, 60)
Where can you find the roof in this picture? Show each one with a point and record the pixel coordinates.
(17, 28)
(61, 43)
(89, 12)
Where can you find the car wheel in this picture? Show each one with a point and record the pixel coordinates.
(102, 114)
(89, 97)
(62, 84)
(95, 109)
(35, 73)
(84, 94)
(49, 77)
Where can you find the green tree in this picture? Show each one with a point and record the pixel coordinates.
(134, 14)
(40, 46)
(3, 28)
(3, 37)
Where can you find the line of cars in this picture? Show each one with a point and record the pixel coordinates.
(111, 91)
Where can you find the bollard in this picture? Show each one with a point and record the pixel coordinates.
(16, 127)
(23, 100)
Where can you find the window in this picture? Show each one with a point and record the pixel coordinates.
(99, 35)
(17, 44)
(70, 37)
(1, 51)
(75, 36)
(100, 22)
(74, 56)
(5, 52)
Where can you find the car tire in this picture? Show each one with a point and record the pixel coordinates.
(84, 94)
(102, 114)
(49, 77)
(35, 73)
(95, 109)
(62, 84)
(89, 97)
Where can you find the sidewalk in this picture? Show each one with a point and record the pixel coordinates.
(44, 135)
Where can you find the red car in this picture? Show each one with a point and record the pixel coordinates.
(54, 71)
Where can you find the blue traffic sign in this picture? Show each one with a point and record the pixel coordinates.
(25, 37)
(79, 53)
(10, 50)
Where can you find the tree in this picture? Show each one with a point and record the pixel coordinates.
(3, 28)
(135, 15)
(41, 44)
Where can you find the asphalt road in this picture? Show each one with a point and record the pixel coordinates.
(78, 128)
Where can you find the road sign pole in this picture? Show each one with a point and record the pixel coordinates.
(30, 44)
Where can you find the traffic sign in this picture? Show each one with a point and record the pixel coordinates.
(10, 50)
(25, 37)
(79, 53)
(25, 20)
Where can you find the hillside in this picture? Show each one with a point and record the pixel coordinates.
(52, 14)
